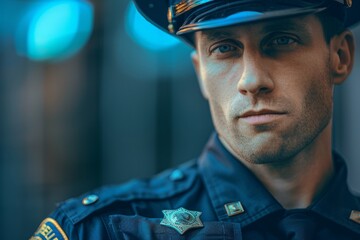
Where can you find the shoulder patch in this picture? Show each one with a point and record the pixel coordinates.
(49, 229)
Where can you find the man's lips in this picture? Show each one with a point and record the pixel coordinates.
(261, 116)
(260, 112)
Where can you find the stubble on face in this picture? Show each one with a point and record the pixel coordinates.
(316, 112)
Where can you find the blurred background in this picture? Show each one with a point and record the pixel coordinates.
(91, 94)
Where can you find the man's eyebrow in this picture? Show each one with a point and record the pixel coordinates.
(272, 26)
(286, 25)
(216, 35)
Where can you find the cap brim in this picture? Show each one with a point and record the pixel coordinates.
(156, 12)
(246, 17)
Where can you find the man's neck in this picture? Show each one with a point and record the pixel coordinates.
(297, 182)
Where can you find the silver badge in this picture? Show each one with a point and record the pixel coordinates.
(181, 219)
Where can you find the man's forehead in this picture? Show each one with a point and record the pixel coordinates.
(296, 24)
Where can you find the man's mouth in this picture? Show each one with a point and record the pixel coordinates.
(263, 116)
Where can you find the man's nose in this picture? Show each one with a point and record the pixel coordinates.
(255, 78)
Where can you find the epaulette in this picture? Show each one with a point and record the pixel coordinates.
(164, 185)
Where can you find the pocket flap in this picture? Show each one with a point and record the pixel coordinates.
(137, 227)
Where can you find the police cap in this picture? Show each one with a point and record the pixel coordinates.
(181, 17)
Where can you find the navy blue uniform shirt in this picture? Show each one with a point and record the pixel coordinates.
(212, 197)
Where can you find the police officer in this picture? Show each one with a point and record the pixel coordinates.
(267, 69)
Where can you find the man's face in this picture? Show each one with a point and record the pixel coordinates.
(268, 84)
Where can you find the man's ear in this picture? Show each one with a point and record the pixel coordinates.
(342, 48)
(196, 63)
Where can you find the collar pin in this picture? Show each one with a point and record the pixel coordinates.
(355, 216)
(234, 208)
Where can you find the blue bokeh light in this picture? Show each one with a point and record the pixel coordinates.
(145, 34)
(55, 30)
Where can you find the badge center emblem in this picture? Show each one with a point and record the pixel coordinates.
(182, 218)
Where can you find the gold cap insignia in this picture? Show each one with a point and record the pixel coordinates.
(355, 216)
(181, 219)
(49, 229)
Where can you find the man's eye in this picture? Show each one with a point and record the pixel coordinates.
(282, 41)
(225, 48)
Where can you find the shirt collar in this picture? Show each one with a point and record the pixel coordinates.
(337, 203)
(227, 180)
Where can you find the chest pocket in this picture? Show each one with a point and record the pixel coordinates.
(137, 227)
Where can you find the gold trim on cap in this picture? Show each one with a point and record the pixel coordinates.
(171, 28)
(186, 5)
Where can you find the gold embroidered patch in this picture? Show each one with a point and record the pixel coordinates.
(49, 229)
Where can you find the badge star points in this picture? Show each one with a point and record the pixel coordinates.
(181, 219)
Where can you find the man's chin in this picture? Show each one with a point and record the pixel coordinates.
(260, 149)
(268, 153)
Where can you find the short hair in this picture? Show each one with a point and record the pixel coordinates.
(331, 25)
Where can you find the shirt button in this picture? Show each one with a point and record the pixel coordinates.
(91, 199)
(177, 175)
